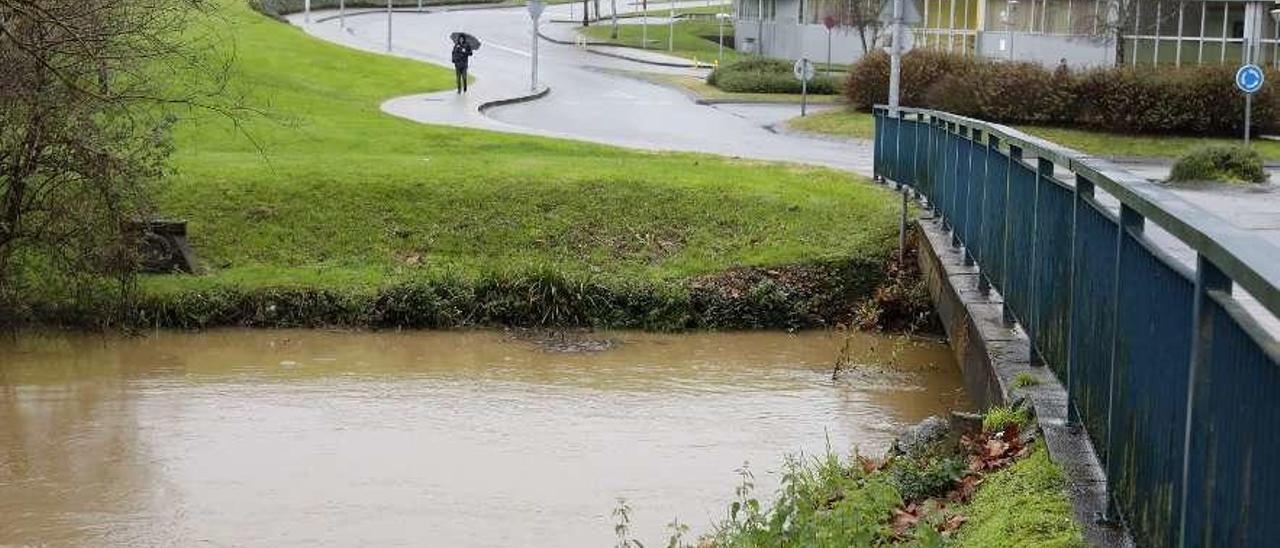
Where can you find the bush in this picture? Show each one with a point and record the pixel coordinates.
(1224, 163)
(1190, 100)
(760, 75)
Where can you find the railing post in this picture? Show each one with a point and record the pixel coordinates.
(961, 133)
(1044, 169)
(973, 224)
(1084, 189)
(897, 147)
(1130, 222)
(1015, 155)
(1208, 278)
(992, 146)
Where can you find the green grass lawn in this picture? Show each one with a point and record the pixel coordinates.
(858, 125)
(347, 196)
(693, 39)
(699, 88)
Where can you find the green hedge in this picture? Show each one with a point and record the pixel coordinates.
(759, 75)
(1222, 163)
(1194, 100)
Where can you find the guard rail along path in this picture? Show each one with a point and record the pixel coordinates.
(1176, 383)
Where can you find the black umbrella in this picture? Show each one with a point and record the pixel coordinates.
(472, 41)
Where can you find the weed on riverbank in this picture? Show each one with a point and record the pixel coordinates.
(996, 488)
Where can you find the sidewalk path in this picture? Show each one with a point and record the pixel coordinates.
(585, 102)
(592, 104)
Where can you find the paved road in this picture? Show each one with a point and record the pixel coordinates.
(588, 100)
(591, 100)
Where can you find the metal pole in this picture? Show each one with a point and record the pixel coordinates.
(533, 75)
(388, 25)
(828, 51)
(419, 6)
(720, 52)
(671, 28)
(342, 14)
(644, 24)
(1248, 114)
(804, 86)
(306, 8)
(895, 60)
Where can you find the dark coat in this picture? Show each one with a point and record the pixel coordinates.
(461, 52)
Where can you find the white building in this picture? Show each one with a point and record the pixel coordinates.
(1082, 32)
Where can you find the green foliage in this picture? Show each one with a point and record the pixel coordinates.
(330, 212)
(1021, 506)
(823, 502)
(997, 418)
(694, 39)
(761, 75)
(1220, 163)
(921, 479)
(1025, 379)
(1194, 99)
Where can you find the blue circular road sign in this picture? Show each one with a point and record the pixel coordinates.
(1249, 78)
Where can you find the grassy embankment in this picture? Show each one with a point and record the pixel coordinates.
(351, 216)
(858, 125)
(1017, 498)
(694, 39)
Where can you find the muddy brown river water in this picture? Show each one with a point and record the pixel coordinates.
(451, 439)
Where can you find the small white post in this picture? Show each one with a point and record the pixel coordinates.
(388, 25)
(306, 8)
(671, 28)
(342, 14)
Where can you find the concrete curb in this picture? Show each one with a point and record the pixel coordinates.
(621, 56)
(514, 100)
(991, 355)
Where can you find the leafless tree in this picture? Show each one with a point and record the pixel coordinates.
(860, 16)
(1113, 20)
(89, 90)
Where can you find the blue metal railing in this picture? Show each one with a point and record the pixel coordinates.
(1177, 384)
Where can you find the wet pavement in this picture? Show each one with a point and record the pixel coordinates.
(592, 98)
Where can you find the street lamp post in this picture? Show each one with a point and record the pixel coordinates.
(671, 27)
(721, 17)
(388, 25)
(342, 14)
(306, 9)
(895, 58)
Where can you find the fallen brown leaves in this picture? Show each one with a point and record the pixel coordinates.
(988, 452)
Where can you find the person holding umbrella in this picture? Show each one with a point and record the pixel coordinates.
(463, 46)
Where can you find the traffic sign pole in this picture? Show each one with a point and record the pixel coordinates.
(535, 12)
(1249, 79)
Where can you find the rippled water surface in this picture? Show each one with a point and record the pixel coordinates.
(454, 439)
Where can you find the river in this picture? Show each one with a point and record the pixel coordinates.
(456, 439)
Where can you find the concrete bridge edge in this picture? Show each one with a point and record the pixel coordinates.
(991, 354)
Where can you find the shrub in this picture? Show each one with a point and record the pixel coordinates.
(1225, 163)
(918, 480)
(997, 418)
(760, 75)
(1191, 100)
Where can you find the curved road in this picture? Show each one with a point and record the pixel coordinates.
(589, 99)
